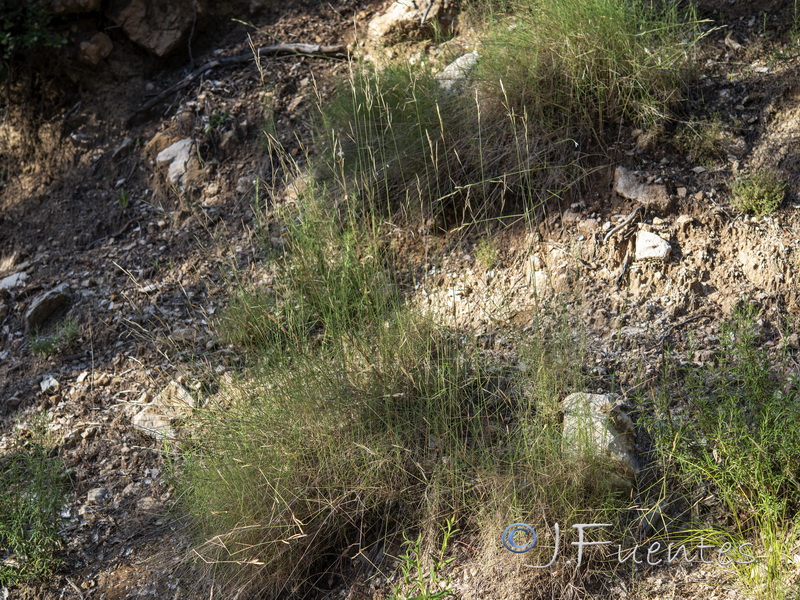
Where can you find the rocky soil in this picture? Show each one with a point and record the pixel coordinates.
(136, 223)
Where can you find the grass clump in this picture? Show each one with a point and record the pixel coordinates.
(331, 279)
(517, 132)
(64, 337)
(759, 193)
(581, 66)
(362, 420)
(32, 492)
(736, 445)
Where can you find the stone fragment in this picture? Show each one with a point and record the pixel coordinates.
(45, 305)
(455, 75)
(159, 142)
(650, 246)
(186, 336)
(406, 19)
(95, 50)
(244, 184)
(13, 280)
(157, 26)
(654, 196)
(157, 418)
(97, 496)
(596, 426)
(147, 504)
(176, 158)
(49, 384)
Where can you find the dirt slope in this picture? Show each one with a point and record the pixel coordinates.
(147, 264)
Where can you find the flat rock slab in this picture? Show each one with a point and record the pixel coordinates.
(45, 305)
(654, 197)
(13, 280)
(650, 246)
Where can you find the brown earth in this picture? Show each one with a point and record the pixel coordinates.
(149, 265)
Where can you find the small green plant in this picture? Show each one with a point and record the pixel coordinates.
(23, 26)
(33, 485)
(487, 254)
(704, 141)
(737, 444)
(216, 120)
(123, 200)
(63, 338)
(759, 193)
(420, 583)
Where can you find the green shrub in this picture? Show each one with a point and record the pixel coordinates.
(736, 445)
(759, 193)
(24, 26)
(32, 492)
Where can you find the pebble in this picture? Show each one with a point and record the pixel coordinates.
(49, 384)
(97, 495)
(650, 246)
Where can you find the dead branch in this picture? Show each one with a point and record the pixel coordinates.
(334, 51)
(624, 223)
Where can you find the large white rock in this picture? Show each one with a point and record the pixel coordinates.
(13, 280)
(596, 426)
(157, 418)
(650, 246)
(176, 158)
(454, 75)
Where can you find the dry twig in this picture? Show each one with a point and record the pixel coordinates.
(336, 50)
